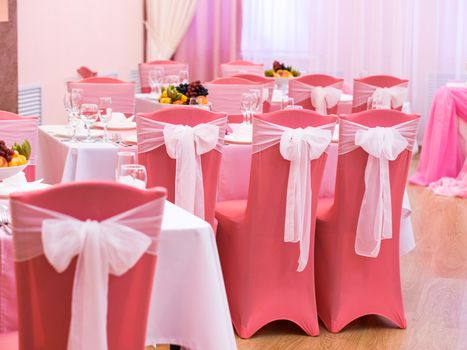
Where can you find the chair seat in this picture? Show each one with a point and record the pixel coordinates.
(9, 341)
(230, 213)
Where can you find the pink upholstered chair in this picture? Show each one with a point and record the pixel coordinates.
(305, 89)
(241, 67)
(254, 78)
(225, 94)
(162, 169)
(259, 268)
(16, 128)
(352, 281)
(169, 67)
(364, 88)
(45, 296)
(121, 92)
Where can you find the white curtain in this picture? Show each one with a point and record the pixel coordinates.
(167, 23)
(424, 41)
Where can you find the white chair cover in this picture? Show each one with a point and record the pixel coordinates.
(299, 146)
(391, 97)
(382, 144)
(111, 246)
(322, 98)
(185, 144)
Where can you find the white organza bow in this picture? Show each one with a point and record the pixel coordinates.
(111, 246)
(383, 144)
(389, 97)
(299, 146)
(185, 144)
(323, 98)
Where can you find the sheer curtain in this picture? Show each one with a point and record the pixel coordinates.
(422, 40)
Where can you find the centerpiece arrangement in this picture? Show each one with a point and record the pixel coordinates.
(185, 94)
(280, 70)
(17, 155)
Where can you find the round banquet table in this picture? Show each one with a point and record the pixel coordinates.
(235, 176)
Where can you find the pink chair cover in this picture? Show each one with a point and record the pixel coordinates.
(322, 98)
(349, 285)
(254, 78)
(226, 98)
(170, 68)
(441, 154)
(15, 128)
(122, 94)
(162, 169)
(241, 67)
(49, 231)
(259, 268)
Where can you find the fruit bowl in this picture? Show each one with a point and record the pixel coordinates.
(6, 172)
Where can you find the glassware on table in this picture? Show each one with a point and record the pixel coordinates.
(124, 157)
(287, 103)
(172, 80)
(183, 76)
(105, 114)
(156, 78)
(72, 102)
(133, 175)
(245, 106)
(89, 115)
(257, 100)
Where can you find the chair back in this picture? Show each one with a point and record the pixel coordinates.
(254, 78)
(363, 89)
(121, 93)
(241, 67)
(15, 129)
(301, 89)
(162, 169)
(169, 67)
(45, 296)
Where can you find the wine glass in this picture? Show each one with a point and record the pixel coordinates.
(173, 80)
(124, 157)
(288, 103)
(245, 106)
(256, 100)
(76, 100)
(89, 115)
(183, 76)
(133, 175)
(156, 77)
(105, 114)
(73, 120)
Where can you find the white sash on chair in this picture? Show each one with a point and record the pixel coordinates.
(382, 145)
(185, 144)
(111, 246)
(391, 97)
(322, 98)
(299, 146)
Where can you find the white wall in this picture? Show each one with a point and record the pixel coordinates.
(55, 37)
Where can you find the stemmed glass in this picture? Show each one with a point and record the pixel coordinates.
(89, 115)
(246, 106)
(288, 103)
(173, 80)
(72, 102)
(133, 175)
(256, 100)
(124, 157)
(156, 76)
(183, 76)
(105, 114)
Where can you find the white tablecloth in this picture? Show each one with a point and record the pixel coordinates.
(188, 305)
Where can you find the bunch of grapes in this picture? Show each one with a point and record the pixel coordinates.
(195, 89)
(5, 152)
(276, 65)
(183, 88)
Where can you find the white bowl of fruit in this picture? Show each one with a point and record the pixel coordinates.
(14, 159)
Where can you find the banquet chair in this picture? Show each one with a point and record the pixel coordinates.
(169, 67)
(241, 67)
(316, 92)
(260, 270)
(122, 93)
(254, 78)
(179, 168)
(388, 87)
(63, 282)
(225, 94)
(356, 260)
(15, 129)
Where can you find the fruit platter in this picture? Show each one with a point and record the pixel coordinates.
(185, 94)
(14, 159)
(280, 70)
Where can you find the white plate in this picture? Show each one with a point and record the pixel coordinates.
(117, 126)
(7, 172)
(241, 134)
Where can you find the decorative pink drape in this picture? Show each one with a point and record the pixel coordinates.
(213, 38)
(441, 155)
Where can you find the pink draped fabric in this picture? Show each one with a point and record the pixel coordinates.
(214, 35)
(441, 154)
(447, 186)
